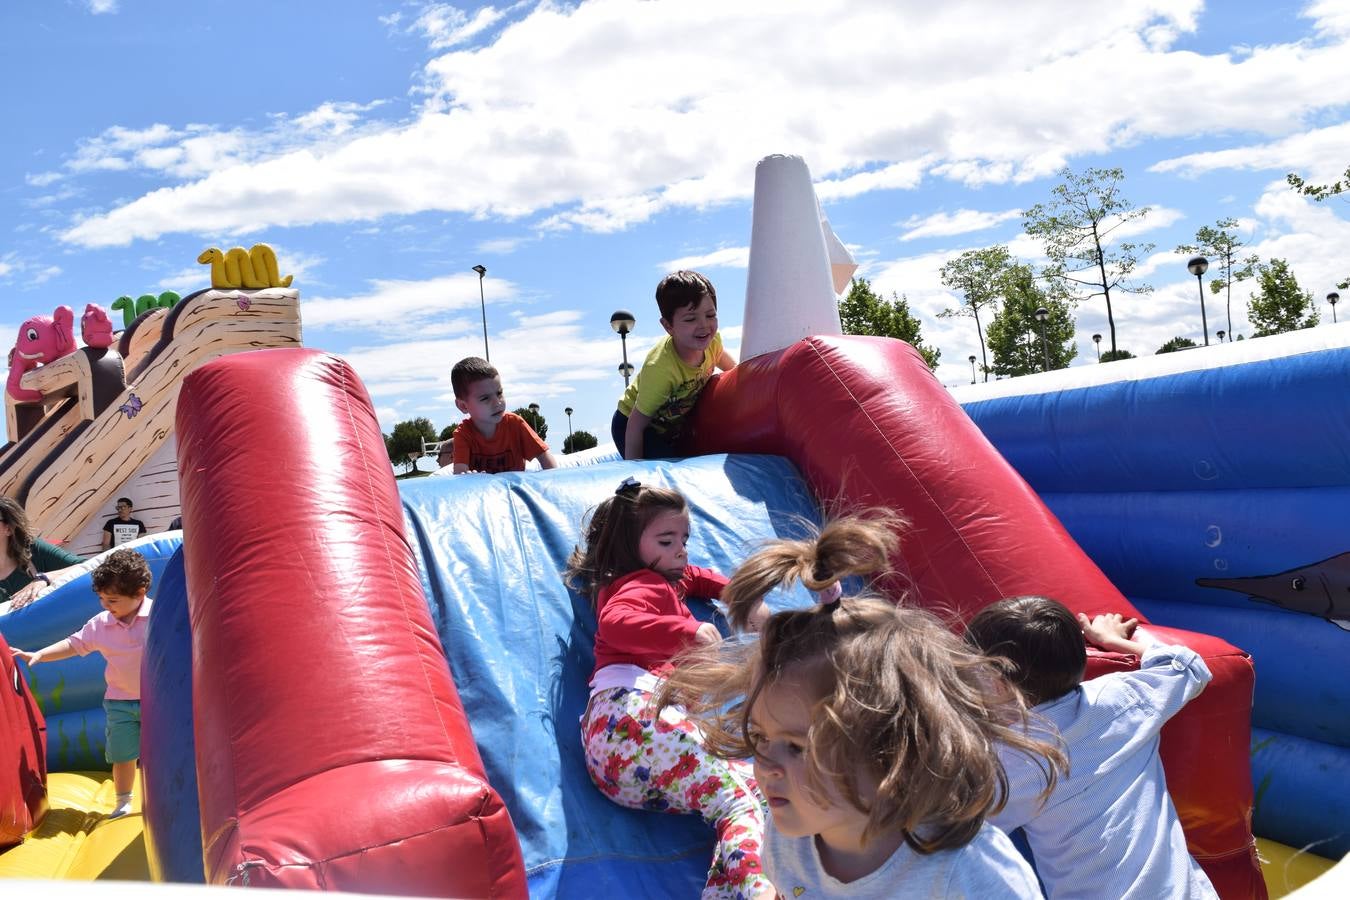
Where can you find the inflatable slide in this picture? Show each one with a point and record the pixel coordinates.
(383, 687)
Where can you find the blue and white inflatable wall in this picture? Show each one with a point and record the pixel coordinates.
(1212, 487)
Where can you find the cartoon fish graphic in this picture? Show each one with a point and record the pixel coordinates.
(1318, 589)
(131, 407)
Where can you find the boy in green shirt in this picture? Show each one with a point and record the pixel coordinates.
(651, 411)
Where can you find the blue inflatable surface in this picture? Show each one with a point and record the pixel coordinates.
(70, 692)
(520, 644)
(1214, 499)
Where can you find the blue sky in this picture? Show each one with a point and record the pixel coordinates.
(580, 151)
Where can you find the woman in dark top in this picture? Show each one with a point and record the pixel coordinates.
(25, 561)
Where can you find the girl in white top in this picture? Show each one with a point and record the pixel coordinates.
(872, 727)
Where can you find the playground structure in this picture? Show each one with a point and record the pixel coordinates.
(453, 665)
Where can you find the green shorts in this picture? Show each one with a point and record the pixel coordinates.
(124, 730)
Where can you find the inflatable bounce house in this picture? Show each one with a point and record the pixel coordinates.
(379, 691)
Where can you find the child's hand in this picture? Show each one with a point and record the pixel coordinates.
(707, 634)
(1110, 631)
(759, 616)
(30, 658)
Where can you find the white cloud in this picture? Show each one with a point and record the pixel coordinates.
(603, 114)
(499, 246)
(963, 221)
(43, 179)
(1318, 155)
(99, 7)
(44, 274)
(726, 258)
(394, 307)
(445, 26)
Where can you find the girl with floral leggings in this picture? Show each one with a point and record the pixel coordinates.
(636, 572)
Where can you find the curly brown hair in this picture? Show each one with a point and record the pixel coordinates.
(123, 572)
(901, 703)
(20, 535)
(612, 534)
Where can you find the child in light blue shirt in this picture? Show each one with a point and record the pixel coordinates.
(1108, 829)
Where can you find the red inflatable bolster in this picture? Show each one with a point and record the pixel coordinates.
(23, 753)
(332, 749)
(868, 425)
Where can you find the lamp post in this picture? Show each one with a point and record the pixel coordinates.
(568, 410)
(972, 368)
(1221, 333)
(1097, 339)
(1333, 298)
(1041, 315)
(1198, 266)
(622, 322)
(482, 305)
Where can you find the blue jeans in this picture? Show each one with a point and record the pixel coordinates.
(655, 445)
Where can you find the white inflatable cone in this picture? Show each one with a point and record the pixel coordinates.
(791, 289)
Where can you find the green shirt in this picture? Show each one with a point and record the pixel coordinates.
(666, 386)
(46, 558)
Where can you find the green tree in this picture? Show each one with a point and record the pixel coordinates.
(536, 421)
(579, 440)
(407, 438)
(447, 432)
(1076, 228)
(863, 311)
(1220, 245)
(1320, 192)
(1281, 304)
(1112, 355)
(1175, 344)
(1015, 335)
(978, 275)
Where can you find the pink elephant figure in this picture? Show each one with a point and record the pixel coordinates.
(42, 339)
(96, 328)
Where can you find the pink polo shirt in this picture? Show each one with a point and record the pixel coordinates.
(121, 644)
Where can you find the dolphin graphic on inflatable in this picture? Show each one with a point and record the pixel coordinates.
(1318, 589)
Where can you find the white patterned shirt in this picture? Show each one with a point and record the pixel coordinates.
(1110, 829)
(987, 867)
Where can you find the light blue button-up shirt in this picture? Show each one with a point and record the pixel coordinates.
(1110, 829)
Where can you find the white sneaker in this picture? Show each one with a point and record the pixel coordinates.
(120, 810)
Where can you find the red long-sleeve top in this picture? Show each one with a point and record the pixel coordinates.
(643, 620)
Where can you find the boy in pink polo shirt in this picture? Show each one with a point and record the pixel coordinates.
(121, 582)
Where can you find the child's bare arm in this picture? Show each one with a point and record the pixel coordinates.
(726, 361)
(547, 460)
(632, 439)
(1111, 631)
(51, 653)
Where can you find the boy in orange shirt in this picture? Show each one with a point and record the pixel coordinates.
(491, 440)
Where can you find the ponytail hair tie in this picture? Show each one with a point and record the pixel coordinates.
(629, 485)
(830, 595)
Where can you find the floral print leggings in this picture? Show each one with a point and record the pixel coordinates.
(644, 762)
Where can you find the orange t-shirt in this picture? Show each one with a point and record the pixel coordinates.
(512, 445)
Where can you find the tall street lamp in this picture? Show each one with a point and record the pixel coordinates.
(972, 368)
(1041, 315)
(1198, 266)
(1221, 334)
(1333, 298)
(622, 322)
(482, 305)
(568, 410)
(1097, 339)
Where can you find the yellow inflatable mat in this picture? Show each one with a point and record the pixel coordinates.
(75, 840)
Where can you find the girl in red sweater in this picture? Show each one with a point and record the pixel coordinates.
(637, 574)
